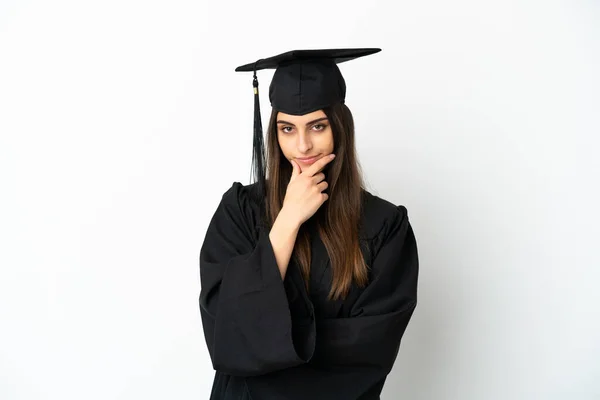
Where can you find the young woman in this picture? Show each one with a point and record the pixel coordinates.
(308, 280)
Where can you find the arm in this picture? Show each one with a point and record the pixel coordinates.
(354, 355)
(283, 237)
(371, 335)
(243, 302)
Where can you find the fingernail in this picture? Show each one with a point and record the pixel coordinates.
(332, 156)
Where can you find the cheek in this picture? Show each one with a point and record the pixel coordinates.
(284, 145)
(328, 141)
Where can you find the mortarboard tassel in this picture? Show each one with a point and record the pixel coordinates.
(258, 156)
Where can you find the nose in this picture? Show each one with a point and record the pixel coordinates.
(304, 142)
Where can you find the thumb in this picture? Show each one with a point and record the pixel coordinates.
(295, 170)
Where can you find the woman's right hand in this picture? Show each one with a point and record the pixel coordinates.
(303, 195)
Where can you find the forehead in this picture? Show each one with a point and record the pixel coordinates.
(301, 118)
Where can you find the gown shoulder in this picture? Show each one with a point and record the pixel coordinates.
(379, 216)
(244, 204)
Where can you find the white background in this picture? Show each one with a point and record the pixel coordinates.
(123, 122)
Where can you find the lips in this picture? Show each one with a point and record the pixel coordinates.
(308, 160)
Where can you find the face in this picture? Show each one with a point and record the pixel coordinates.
(304, 138)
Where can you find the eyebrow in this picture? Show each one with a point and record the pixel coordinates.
(307, 124)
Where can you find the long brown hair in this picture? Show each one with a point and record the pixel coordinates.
(339, 217)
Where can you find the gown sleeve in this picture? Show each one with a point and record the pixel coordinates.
(243, 303)
(371, 335)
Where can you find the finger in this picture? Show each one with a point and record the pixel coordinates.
(295, 169)
(318, 177)
(319, 164)
(322, 186)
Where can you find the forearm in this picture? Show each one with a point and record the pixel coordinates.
(283, 237)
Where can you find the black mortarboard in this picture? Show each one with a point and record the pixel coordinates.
(304, 81)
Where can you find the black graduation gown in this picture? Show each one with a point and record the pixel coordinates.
(270, 339)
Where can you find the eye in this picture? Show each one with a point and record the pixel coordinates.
(285, 129)
(319, 127)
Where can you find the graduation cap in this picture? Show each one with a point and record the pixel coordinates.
(304, 81)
